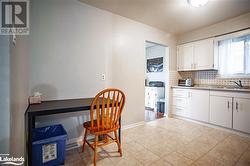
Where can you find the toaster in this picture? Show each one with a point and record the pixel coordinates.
(186, 82)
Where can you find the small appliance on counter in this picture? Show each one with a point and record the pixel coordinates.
(186, 82)
(156, 84)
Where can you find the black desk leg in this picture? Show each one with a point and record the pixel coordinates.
(120, 130)
(31, 124)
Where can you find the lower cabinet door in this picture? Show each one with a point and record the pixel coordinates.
(221, 111)
(199, 105)
(241, 114)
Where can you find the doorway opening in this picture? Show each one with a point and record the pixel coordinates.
(156, 81)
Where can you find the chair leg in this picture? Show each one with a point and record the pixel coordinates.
(95, 149)
(118, 143)
(84, 139)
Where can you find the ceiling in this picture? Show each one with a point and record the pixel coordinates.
(174, 16)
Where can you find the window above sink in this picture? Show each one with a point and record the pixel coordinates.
(233, 53)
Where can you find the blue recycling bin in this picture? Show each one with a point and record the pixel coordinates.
(48, 145)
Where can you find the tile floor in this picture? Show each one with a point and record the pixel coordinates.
(170, 142)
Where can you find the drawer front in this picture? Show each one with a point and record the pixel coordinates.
(181, 93)
(178, 111)
(179, 102)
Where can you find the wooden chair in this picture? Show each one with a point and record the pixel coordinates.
(105, 112)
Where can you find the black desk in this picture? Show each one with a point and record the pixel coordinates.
(54, 107)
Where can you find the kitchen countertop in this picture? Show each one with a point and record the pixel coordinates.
(155, 86)
(215, 87)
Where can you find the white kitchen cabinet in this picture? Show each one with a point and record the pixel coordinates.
(185, 57)
(192, 104)
(241, 114)
(180, 102)
(223, 108)
(199, 105)
(230, 109)
(221, 111)
(203, 54)
(197, 55)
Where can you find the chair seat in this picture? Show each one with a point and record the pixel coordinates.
(107, 128)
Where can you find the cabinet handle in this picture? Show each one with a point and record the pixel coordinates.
(228, 105)
(237, 106)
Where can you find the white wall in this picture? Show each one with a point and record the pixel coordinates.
(70, 49)
(14, 94)
(129, 62)
(18, 94)
(156, 52)
(72, 44)
(5, 93)
(234, 24)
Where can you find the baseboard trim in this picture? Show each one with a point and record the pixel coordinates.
(74, 143)
(125, 127)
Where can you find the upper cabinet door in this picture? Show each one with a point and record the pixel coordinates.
(185, 57)
(241, 114)
(204, 54)
(196, 56)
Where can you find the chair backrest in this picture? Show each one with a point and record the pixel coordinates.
(106, 109)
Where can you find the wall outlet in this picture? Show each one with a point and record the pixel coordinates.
(103, 77)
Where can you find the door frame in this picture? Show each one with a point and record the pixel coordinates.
(167, 88)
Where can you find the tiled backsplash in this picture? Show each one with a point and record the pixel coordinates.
(211, 78)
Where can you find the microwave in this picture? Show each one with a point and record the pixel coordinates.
(186, 82)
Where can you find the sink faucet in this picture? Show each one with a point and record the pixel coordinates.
(238, 84)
